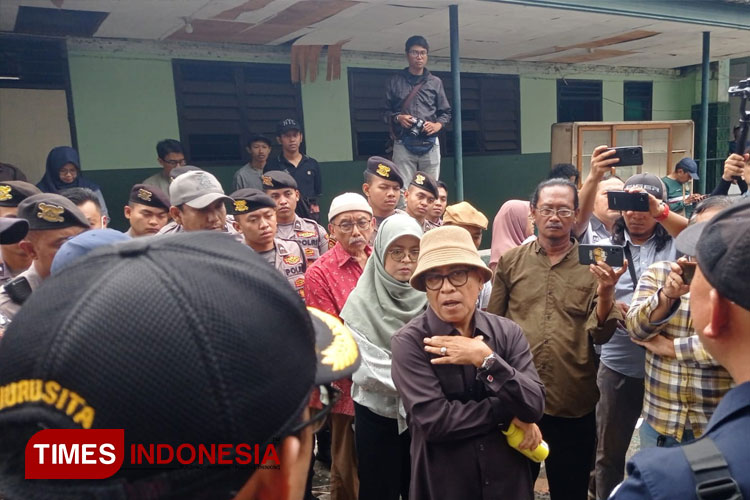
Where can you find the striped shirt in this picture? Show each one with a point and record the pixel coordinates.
(681, 390)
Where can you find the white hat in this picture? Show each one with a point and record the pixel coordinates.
(197, 189)
(348, 202)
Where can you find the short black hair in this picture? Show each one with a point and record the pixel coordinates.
(564, 171)
(712, 202)
(552, 183)
(441, 184)
(163, 148)
(368, 176)
(417, 40)
(259, 138)
(80, 195)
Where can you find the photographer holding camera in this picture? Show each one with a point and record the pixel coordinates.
(417, 109)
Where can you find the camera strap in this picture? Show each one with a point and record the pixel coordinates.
(629, 256)
(405, 103)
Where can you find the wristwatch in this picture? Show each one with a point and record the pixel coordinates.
(487, 361)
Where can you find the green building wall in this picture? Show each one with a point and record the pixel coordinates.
(124, 102)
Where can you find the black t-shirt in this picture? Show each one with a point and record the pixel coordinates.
(306, 173)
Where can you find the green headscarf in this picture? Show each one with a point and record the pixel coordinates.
(380, 304)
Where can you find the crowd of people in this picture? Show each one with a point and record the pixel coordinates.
(385, 331)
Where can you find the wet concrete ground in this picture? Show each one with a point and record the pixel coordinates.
(541, 490)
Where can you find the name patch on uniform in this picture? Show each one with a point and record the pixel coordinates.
(309, 252)
(145, 194)
(419, 179)
(384, 170)
(50, 213)
(240, 206)
(291, 260)
(305, 234)
(5, 193)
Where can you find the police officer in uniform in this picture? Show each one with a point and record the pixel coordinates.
(382, 188)
(14, 259)
(53, 219)
(255, 217)
(282, 188)
(11, 232)
(147, 210)
(420, 196)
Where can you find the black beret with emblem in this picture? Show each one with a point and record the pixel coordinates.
(152, 196)
(249, 200)
(426, 182)
(50, 211)
(14, 192)
(277, 179)
(385, 169)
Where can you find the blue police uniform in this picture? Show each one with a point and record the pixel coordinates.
(661, 473)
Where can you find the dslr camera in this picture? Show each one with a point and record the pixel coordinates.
(416, 128)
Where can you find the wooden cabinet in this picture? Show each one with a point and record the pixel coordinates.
(664, 143)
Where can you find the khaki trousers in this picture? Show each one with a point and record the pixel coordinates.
(344, 478)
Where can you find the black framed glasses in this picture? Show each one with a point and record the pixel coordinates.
(434, 281)
(563, 213)
(348, 226)
(176, 163)
(398, 254)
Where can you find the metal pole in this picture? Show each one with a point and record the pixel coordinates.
(458, 155)
(704, 111)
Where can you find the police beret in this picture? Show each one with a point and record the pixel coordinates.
(143, 194)
(426, 182)
(14, 192)
(385, 169)
(278, 179)
(249, 200)
(50, 211)
(12, 230)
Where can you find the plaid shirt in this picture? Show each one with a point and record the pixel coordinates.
(682, 389)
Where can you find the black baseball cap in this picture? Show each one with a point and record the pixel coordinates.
(277, 179)
(225, 353)
(50, 211)
(248, 200)
(286, 125)
(423, 180)
(12, 230)
(14, 192)
(385, 169)
(151, 196)
(721, 247)
(650, 183)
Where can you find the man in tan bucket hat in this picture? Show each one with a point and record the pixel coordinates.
(463, 375)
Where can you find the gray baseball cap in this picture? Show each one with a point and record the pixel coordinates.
(197, 189)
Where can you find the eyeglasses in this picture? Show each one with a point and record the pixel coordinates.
(348, 226)
(329, 395)
(397, 254)
(434, 281)
(563, 213)
(418, 53)
(174, 163)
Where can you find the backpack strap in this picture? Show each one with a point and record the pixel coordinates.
(713, 481)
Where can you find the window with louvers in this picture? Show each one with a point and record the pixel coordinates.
(579, 101)
(637, 98)
(491, 116)
(220, 105)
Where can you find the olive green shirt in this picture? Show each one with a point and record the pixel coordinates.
(556, 308)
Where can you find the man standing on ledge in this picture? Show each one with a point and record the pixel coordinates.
(415, 97)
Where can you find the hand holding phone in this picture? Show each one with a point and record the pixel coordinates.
(624, 200)
(628, 155)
